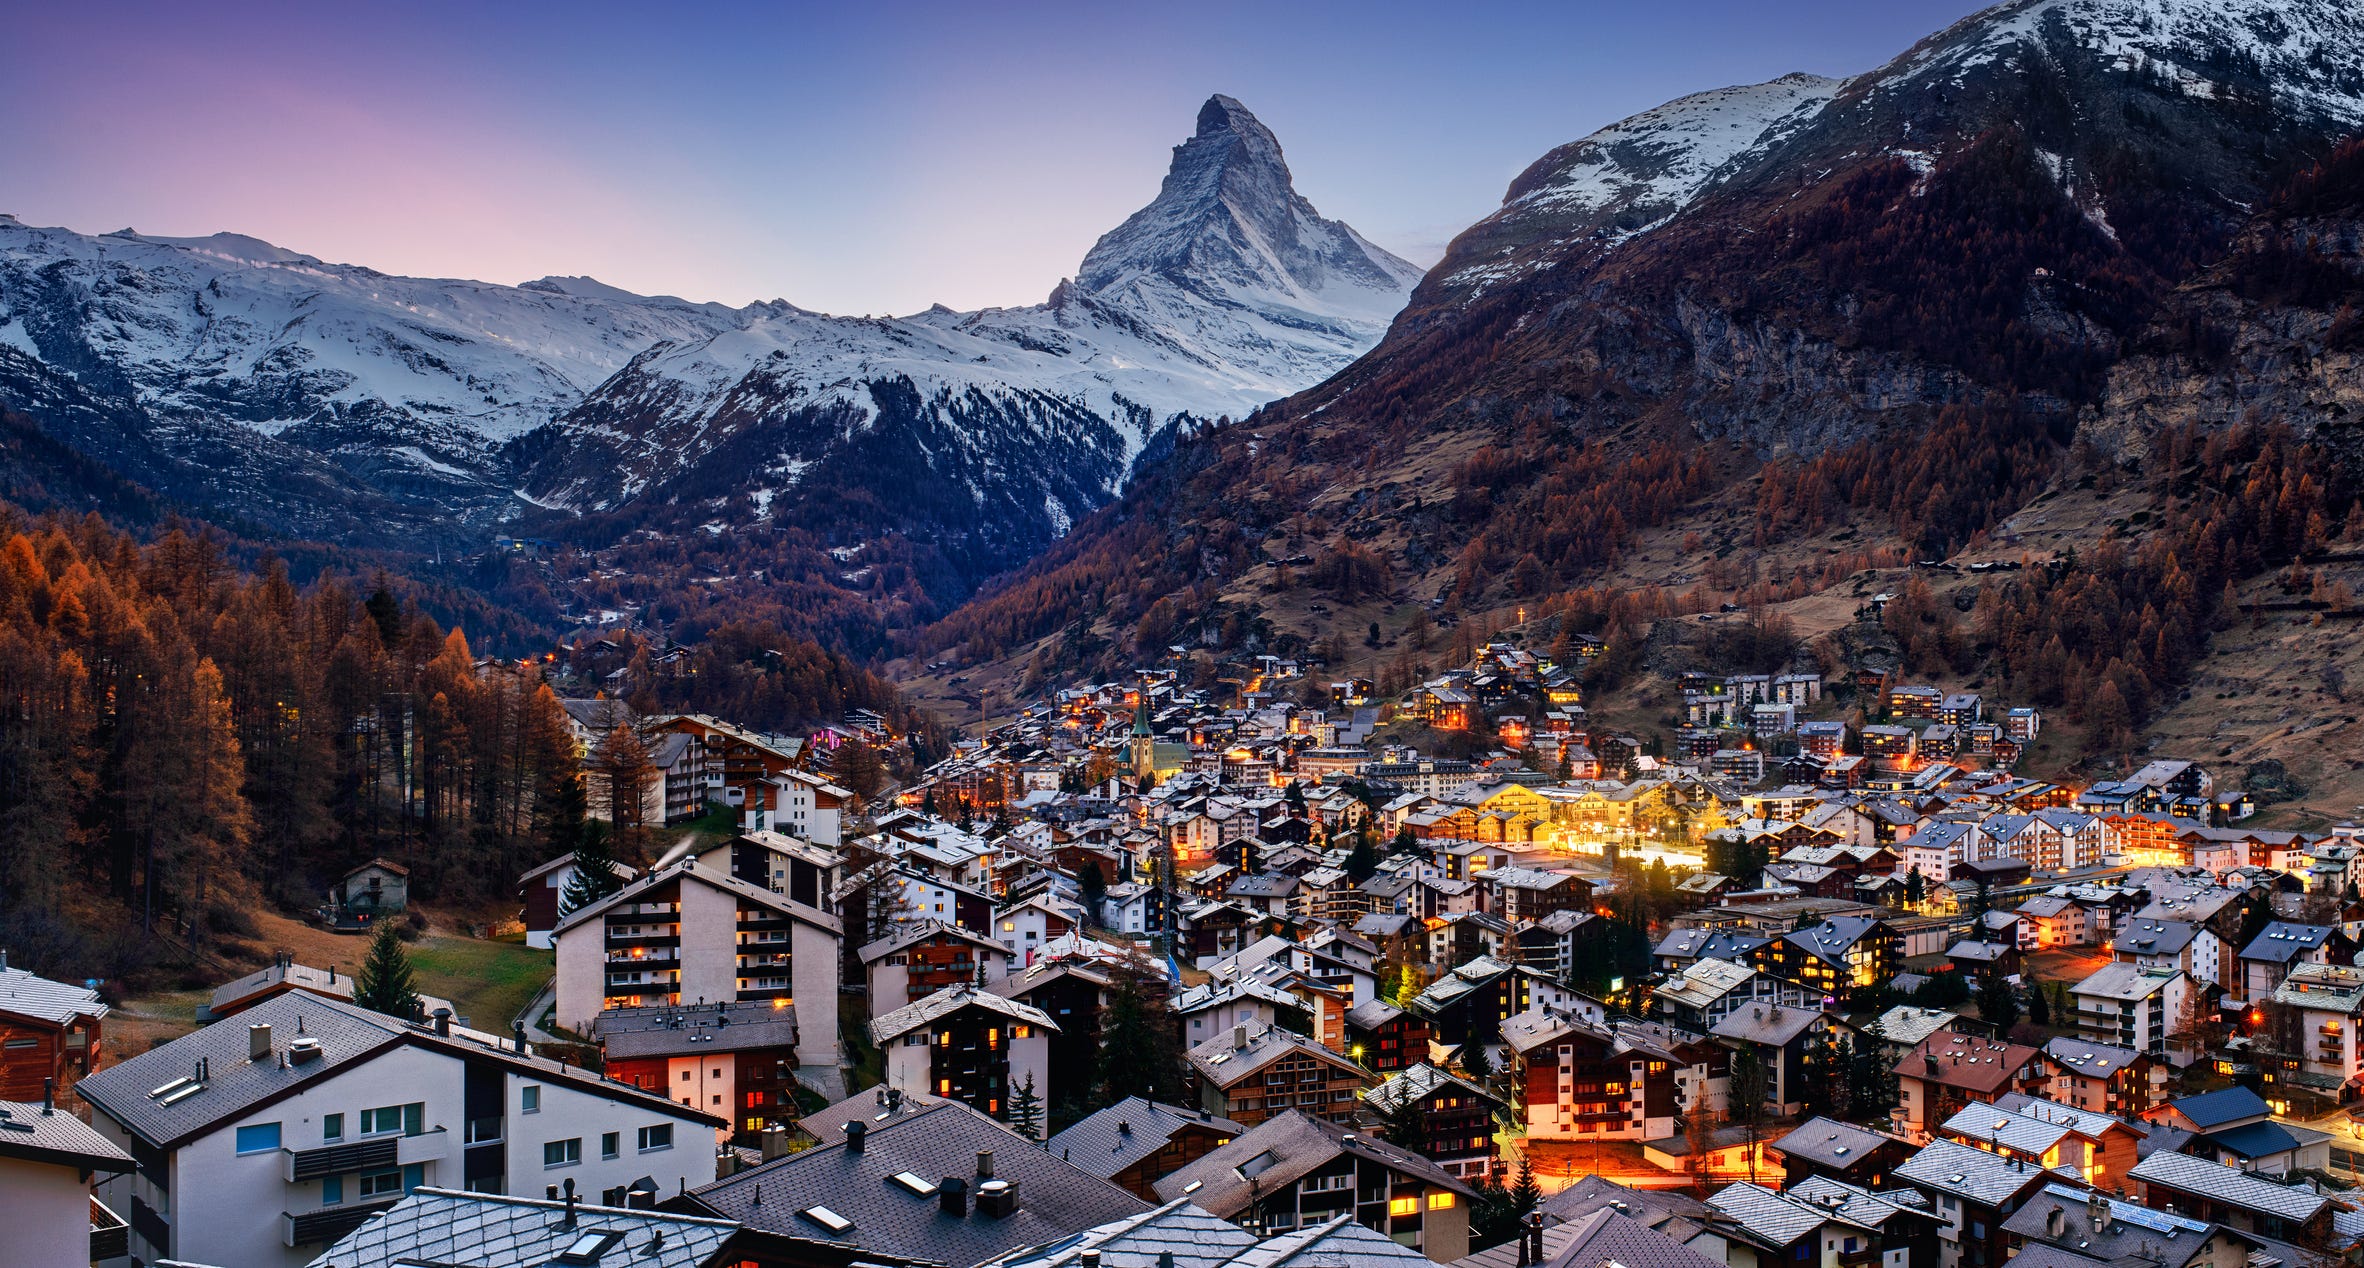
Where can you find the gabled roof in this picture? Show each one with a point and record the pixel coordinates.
(1831, 1143)
(2091, 1060)
(689, 871)
(2004, 1129)
(1297, 1145)
(1767, 1023)
(1704, 982)
(1116, 1137)
(1420, 1082)
(1223, 1063)
(948, 1001)
(149, 1093)
(1335, 1243)
(2217, 1108)
(2126, 982)
(30, 1132)
(2141, 936)
(1905, 1024)
(2129, 1232)
(1710, 944)
(1965, 1061)
(441, 1226)
(907, 936)
(2252, 1140)
(24, 994)
(1195, 1239)
(1613, 1237)
(2220, 1183)
(2282, 941)
(1055, 1198)
(1766, 1216)
(1974, 1175)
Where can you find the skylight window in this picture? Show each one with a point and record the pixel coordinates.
(917, 1186)
(827, 1219)
(589, 1247)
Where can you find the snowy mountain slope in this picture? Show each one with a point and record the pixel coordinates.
(234, 328)
(339, 401)
(1626, 178)
(1227, 291)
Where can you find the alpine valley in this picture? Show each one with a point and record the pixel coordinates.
(2058, 293)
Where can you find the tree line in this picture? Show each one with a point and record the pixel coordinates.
(180, 739)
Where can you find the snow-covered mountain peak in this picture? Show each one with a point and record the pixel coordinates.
(1229, 225)
(1630, 176)
(2300, 54)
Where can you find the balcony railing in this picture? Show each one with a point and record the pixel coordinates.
(110, 1237)
(375, 1154)
(328, 1224)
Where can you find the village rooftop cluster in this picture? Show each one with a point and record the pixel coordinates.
(1231, 972)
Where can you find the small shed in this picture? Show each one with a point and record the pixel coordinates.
(377, 887)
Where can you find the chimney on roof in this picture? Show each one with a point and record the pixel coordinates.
(997, 1198)
(517, 1031)
(443, 1022)
(48, 1097)
(855, 1132)
(258, 1042)
(1239, 1038)
(569, 1221)
(984, 1164)
(953, 1196)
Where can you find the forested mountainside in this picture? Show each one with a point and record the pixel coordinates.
(182, 734)
(840, 476)
(1797, 326)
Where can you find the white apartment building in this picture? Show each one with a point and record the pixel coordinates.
(263, 1139)
(48, 1160)
(690, 934)
(2329, 1003)
(2134, 1006)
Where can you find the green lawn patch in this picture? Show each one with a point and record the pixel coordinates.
(488, 983)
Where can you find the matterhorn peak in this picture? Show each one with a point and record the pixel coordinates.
(1228, 221)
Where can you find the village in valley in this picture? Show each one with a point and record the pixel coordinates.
(1227, 954)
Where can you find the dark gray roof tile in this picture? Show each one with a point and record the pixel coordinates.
(1055, 1199)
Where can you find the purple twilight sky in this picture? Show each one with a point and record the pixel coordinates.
(851, 158)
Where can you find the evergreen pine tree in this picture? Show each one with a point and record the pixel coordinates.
(1998, 1004)
(565, 808)
(1025, 1115)
(384, 983)
(2039, 1009)
(1405, 1125)
(1525, 1194)
(1139, 1055)
(596, 874)
(1363, 863)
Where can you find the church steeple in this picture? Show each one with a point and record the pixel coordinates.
(1143, 746)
